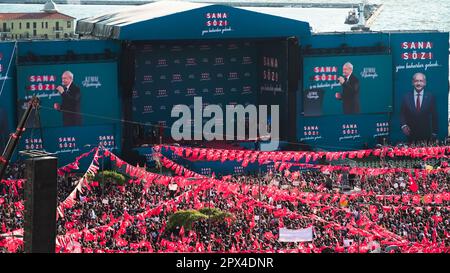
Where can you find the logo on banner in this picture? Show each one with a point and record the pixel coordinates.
(271, 88)
(270, 75)
(107, 141)
(311, 132)
(324, 77)
(67, 145)
(147, 92)
(162, 63)
(369, 72)
(161, 93)
(382, 129)
(42, 83)
(191, 61)
(190, 92)
(148, 109)
(216, 22)
(135, 94)
(218, 91)
(148, 78)
(205, 47)
(349, 131)
(246, 90)
(238, 170)
(325, 73)
(218, 61)
(417, 52)
(312, 95)
(177, 77)
(247, 60)
(205, 76)
(233, 76)
(205, 171)
(33, 144)
(91, 81)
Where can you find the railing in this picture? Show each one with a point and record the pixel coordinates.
(57, 29)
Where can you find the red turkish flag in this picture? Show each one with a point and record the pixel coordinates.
(446, 196)
(405, 198)
(438, 198)
(416, 199)
(428, 198)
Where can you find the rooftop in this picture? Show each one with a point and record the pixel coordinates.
(34, 16)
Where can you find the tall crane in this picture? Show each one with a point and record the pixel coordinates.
(15, 137)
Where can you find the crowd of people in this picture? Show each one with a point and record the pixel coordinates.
(380, 214)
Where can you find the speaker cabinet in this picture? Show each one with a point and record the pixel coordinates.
(40, 205)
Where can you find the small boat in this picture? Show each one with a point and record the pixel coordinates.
(352, 18)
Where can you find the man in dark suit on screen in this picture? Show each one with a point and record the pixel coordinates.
(418, 114)
(71, 97)
(350, 90)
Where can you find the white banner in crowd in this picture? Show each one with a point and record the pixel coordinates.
(296, 235)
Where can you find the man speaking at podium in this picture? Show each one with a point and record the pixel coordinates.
(350, 90)
(71, 98)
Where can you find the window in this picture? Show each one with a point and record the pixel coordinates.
(20, 26)
(4, 27)
(34, 24)
(69, 24)
(42, 24)
(46, 24)
(28, 25)
(12, 25)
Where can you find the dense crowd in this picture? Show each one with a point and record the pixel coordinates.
(380, 213)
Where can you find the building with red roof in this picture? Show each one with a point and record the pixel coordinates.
(48, 24)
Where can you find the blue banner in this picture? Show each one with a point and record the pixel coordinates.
(7, 95)
(174, 73)
(367, 89)
(425, 53)
(344, 132)
(69, 142)
(91, 99)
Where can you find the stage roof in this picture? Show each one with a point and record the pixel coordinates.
(170, 20)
